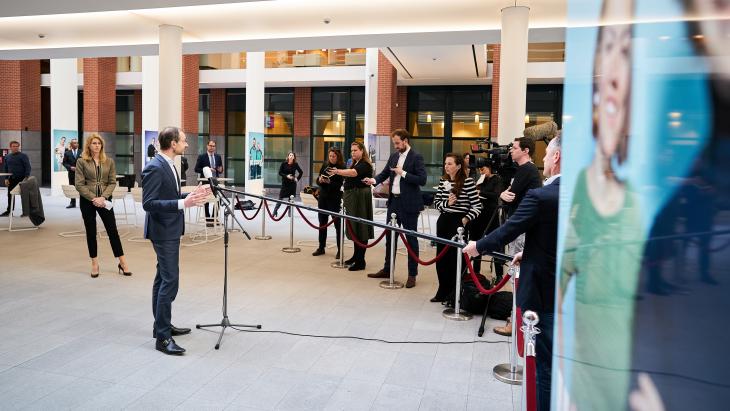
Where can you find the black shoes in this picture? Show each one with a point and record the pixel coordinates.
(121, 270)
(174, 331)
(350, 261)
(5, 214)
(337, 256)
(169, 347)
(357, 266)
(71, 206)
(318, 251)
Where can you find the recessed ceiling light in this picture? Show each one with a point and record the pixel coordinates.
(41, 36)
(327, 20)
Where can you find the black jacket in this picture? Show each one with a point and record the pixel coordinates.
(69, 160)
(330, 194)
(410, 186)
(537, 217)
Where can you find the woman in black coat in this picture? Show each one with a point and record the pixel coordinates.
(330, 197)
(290, 173)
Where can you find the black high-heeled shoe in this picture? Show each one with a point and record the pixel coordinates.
(121, 271)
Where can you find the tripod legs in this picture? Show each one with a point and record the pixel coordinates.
(225, 322)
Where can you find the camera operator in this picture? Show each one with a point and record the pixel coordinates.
(490, 186)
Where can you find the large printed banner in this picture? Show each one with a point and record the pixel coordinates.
(151, 146)
(256, 156)
(643, 279)
(61, 141)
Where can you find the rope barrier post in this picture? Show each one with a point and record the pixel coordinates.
(263, 235)
(455, 313)
(291, 248)
(341, 262)
(391, 284)
(511, 373)
(529, 388)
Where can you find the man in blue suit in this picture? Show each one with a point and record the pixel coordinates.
(164, 224)
(537, 217)
(213, 160)
(406, 174)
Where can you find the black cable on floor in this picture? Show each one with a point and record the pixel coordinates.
(371, 339)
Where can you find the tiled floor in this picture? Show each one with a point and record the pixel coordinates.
(71, 342)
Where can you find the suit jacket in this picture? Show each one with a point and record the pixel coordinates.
(410, 186)
(160, 195)
(69, 160)
(537, 217)
(204, 161)
(86, 182)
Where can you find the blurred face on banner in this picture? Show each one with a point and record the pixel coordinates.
(612, 71)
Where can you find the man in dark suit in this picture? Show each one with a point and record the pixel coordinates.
(164, 224)
(537, 218)
(212, 160)
(406, 174)
(69, 162)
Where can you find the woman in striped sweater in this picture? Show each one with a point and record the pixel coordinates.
(458, 202)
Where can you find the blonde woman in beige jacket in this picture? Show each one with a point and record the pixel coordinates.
(95, 181)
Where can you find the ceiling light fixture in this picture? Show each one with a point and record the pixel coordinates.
(339, 117)
(41, 36)
(476, 118)
(527, 118)
(428, 118)
(481, 126)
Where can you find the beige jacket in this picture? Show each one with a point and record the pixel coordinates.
(86, 181)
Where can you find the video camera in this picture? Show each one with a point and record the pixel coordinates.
(497, 157)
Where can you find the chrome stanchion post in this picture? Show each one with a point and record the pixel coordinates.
(511, 373)
(456, 313)
(529, 321)
(263, 235)
(391, 284)
(341, 262)
(291, 248)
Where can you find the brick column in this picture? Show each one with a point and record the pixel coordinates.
(100, 100)
(190, 98)
(387, 96)
(20, 109)
(303, 130)
(494, 118)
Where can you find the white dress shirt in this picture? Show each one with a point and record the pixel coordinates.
(396, 181)
(171, 163)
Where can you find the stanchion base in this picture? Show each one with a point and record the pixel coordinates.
(263, 237)
(337, 264)
(291, 249)
(391, 286)
(503, 372)
(453, 315)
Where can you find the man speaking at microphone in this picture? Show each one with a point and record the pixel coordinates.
(164, 224)
(537, 217)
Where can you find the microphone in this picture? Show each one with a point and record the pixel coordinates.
(208, 173)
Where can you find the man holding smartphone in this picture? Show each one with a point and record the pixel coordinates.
(406, 174)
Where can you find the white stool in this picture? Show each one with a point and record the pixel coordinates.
(15, 192)
(71, 193)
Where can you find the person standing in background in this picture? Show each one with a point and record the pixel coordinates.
(18, 165)
(69, 162)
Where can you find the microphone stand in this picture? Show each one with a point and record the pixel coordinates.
(228, 212)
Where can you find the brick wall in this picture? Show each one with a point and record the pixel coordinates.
(387, 96)
(100, 82)
(302, 112)
(495, 92)
(137, 111)
(20, 95)
(190, 93)
(217, 112)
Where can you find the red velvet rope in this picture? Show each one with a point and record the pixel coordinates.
(479, 285)
(244, 213)
(415, 257)
(356, 241)
(316, 227)
(530, 380)
(266, 203)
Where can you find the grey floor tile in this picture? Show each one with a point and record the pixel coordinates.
(313, 393)
(72, 395)
(394, 397)
(353, 395)
(115, 397)
(372, 365)
(410, 370)
(442, 401)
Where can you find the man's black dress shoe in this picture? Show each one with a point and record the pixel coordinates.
(175, 331)
(5, 214)
(357, 266)
(70, 206)
(318, 251)
(169, 347)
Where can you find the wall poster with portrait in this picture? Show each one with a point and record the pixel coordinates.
(61, 141)
(643, 264)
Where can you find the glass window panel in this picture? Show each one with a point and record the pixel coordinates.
(237, 171)
(429, 100)
(433, 174)
(279, 122)
(125, 102)
(472, 124)
(432, 149)
(277, 148)
(125, 121)
(204, 101)
(279, 102)
(471, 100)
(124, 144)
(236, 102)
(330, 123)
(426, 123)
(236, 148)
(124, 164)
(271, 172)
(461, 146)
(535, 118)
(359, 124)
(203, 122)
(236, 122)
(236, 159)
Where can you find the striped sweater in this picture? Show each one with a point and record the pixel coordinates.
(467, 203)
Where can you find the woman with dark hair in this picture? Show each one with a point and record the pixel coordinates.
(468, 170)
(290, 173)
(457, 201)
(358, 200)
(95, 181)
(489, 186)
(330, 196)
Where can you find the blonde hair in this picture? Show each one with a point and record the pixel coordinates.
(86, 153)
